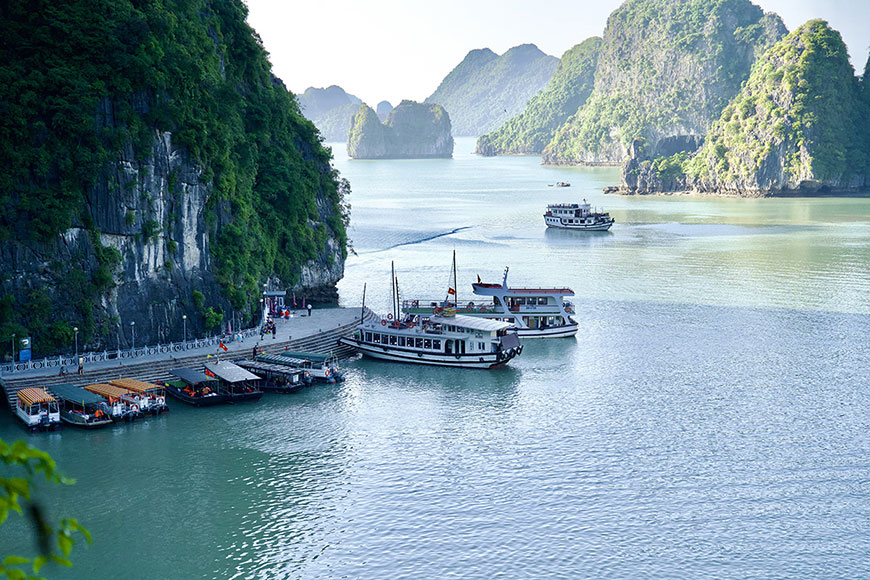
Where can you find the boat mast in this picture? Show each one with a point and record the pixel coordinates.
(362, 313)
(393, 286)
(455, 284)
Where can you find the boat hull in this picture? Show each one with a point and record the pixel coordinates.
(602, 227)
(209, 401)
(565, 331)
(244, 397)
(466, 361)
(77, 421)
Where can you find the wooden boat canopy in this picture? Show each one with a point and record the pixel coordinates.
(135, 385)
(231, 373)
(192, 377)
(32, 396)
(270, 367)
(107, 390)
(76, 394)
(312, 356)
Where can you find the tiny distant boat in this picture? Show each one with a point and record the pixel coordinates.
(194, 388)
(152, 397)
(577, 216)
(124, 405)
(82, 408)
(444, 339)
(277, 378)
(535, 312)
(236, 383)
(563, 184)
(38, 410)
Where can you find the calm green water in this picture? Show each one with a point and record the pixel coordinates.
(710, 420)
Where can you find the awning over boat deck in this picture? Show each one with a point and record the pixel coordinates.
(76, 394)
(270, 367)
(305, 355)
(135, 385)
(482, 324)
(107, 390)
(32, 396)
(287, 361)
(192, 377)
(230, 372)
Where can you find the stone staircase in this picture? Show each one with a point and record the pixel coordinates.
(324, 343)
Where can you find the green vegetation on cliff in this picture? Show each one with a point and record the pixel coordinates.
(412, 130)
(83, 80)
(486, 89)
(665, 68)
(798, 122)
(531, 131)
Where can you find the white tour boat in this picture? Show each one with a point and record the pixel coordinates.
(577, 216)
(534, 312)
(448, 339)
(38, 410)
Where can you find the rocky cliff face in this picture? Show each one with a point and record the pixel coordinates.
(486, 89)
(330, 109)
(383, 109)
(666, 68)
(799, 124)
(412, 130)
(173, 186)
(531, 131)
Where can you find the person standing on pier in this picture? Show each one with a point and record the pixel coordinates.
(309, 309)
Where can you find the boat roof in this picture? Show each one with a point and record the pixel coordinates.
(275, 368)
(107, 390)
(33, 395)
(287, 361)
(312, 356)
(513, 290)
(134, 385)
(77, 394)
(484, 324)
(231, 372)
(191, 376)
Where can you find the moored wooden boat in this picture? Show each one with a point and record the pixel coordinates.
(37, 409)
(277, 378)
(238, 384)
(153, 396)
(82, 408)
(194, 388)
(124, 405)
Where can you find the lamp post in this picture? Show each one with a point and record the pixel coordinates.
(133, 332)
(13, 352)
(76, 330)
(184, 318)
(263, 308)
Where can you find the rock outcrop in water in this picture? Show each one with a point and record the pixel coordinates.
(800, 124)
(412, 130)
(330, 109)
(665, 69)
(531, 131)
(153, 168)
(486, 89)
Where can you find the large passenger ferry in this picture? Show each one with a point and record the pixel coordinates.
(446, 339)
(577, 216)
(534, 312)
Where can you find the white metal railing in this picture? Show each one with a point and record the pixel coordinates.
(60, 361)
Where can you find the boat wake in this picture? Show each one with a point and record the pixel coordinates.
(418, 241)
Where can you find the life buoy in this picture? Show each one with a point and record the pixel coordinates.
(326, 372)
(483, 308)
(469, 308)
(134, 408)
(389, 316)
(383, 322)
(410, 325)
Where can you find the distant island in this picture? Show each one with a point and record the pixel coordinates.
(330, 109)
(485, 89)
(383, 109)
(411, 130)
(705, 96)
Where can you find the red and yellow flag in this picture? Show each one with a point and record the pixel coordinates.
(451, 291)
(223, 346)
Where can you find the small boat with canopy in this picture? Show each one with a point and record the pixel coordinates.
(194, 388)
(153, 396)
(238, 384)
(124, 405)
(277, 378)
(38, 409)
(82, 408)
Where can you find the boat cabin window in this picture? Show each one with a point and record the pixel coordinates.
(376, 337)
(393, 339)
(436, 344)
(427, 343)
(368, 337)
(419, 343)
(401, 341)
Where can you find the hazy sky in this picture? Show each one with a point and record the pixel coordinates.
(402, 49)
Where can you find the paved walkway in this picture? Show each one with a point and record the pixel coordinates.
(299, 326)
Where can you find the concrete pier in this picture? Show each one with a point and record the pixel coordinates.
(318, 333)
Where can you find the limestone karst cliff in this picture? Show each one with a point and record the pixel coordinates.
(330, 109)
(412, 130)
(152, 168)
(666, 69)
